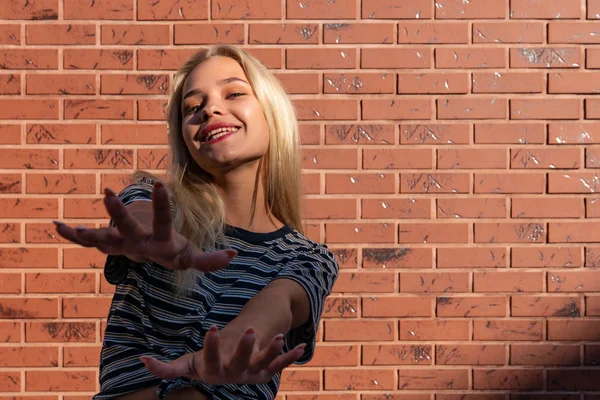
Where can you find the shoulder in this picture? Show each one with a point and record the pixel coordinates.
(311, 252)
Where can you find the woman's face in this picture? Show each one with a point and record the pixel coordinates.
(223, 123)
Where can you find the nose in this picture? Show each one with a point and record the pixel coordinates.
(212, 107)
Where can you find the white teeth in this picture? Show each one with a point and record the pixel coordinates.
(216, 133)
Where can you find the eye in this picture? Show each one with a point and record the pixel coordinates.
(191, 110)
(237, 94)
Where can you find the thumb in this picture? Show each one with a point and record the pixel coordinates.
(208, 262)
(169, 370)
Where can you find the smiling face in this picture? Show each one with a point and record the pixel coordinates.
(223, 124)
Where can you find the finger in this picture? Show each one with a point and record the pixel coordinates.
(108, 238)
(267, 355)
(70, 234)
(162, 221)
(286, 359)
(192, 257)
(122, 219)
(212, 355)
(183, 366)
(241, 358)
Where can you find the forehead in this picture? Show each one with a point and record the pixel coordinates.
(212, 71)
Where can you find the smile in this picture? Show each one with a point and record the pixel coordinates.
(219, 134)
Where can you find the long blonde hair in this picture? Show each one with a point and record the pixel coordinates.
(200, 212)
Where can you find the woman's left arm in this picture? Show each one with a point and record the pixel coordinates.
(281, 306)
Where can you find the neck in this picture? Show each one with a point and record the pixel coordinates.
(238, 188)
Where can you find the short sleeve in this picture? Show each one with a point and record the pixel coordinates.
(116, 267)
(316, 272)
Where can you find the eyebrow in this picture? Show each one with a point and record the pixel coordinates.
(194, 92)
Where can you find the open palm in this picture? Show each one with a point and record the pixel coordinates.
(162, 244)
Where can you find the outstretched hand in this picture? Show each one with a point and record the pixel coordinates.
(220, 363)
(162, 244)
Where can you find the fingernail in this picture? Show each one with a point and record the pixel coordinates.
(57, 223)
(231, 253)
(80, 228)
(158, 184)
(279, 337)
(109, 192)
(250, 331)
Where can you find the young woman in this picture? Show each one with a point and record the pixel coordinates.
(217, 289)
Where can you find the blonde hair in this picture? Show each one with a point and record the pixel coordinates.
(200, 212)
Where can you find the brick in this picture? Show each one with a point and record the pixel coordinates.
(29, 257)
(470, 354)
(592, 306)
(99, 109)
(187, 34)
(136, 133)
(508, 82)
(480, 9)
(152, 158)
(311, 183)
(572, 232)
(33, 10)
(28, 59)
(507, 282)
(152, 110)
(61, 183)
(172, 10)
(438, 134)
(254, 9)
(360, 233)
(509, 183)
(549, 9)
(360, 183)
(508, 379)
(330, 208)
(591, 158)
(60, 34)
(359, 83)
(471, 159)
(272, 33)
(132, 34)
(390, 9)
(572, 329)
(10, 381)
(532, 158)
(60, 282)
(108, 9)
(10, 183)
(548, 256)
(434, 233)
(433, 83)
(367, 282)
(417, 58)
(358, 33)
(508, 32)
(544, 354)
(300, 380)
(434, 282)
(28, 109)
(571, 33)
(466, 108)
(397, 258)
(78, 307)
(402, 109)
(592, 59)
(592, 208)
(573, 182)
(433, 379)
(98, 158)
(82, 257)
(81, 356)
(61, 84)
(322, 159)
(326, 109)
(396, 307)
(24, 158)
(434, 183)
(341, 307)
(439, 329)
(167, 59)
(28, 356)
(10, 84)
(360, 134)
(574, 82)
(545, 306)
(471, 306)
(474, 207)
(397, 159)
(321, 58)
(270, 58)
(60, 332)
(416, 32)
(126, 84)
(465, 257)
(395, 208)
(473, 57)
(573, 379)
(310, 134)
(521, 330)
(509, 232)
(358, 330)
(10, 283)
(545, 57)
(10, 34)
(397, 355)
(578, 281)
(363, 379)
(28, 208)
(53, 381)
(510, 133)
(592, 109)
(30, 308)
(547, 207)
(95, 59)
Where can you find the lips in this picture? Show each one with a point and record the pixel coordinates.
(214, 129)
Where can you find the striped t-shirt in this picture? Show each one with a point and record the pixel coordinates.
(146, 317)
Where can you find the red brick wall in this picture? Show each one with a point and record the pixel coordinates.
(450, 152)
